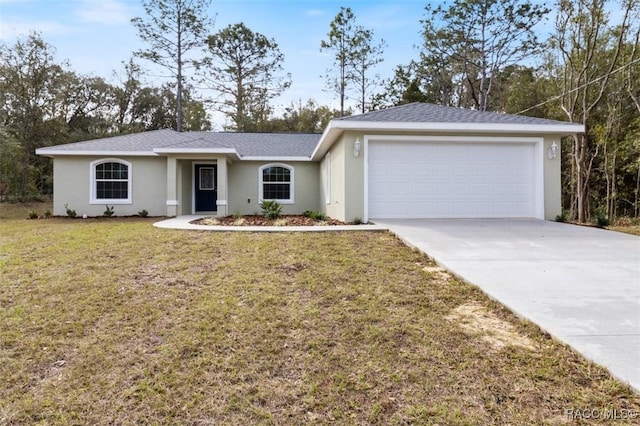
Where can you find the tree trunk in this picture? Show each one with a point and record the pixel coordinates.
(179, 88)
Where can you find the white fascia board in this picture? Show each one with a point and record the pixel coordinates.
(195, 151)
(330, 134)
(568, 129)
(53, 153)
(248, 158)
(336, 127)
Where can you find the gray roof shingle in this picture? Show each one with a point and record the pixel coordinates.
(246, 144)
(429, 113)
(145, 141)
(257, 144)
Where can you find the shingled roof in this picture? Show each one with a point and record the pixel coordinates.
(253, 144)
(429, 113)
(134, 142)
(244, 145)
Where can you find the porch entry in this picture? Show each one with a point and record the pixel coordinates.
(205, 187)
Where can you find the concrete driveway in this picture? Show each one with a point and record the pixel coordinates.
(582, 285)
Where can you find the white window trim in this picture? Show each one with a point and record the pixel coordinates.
(92, 174)
(291, 183)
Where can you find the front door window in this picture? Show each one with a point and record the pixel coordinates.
(207, 180)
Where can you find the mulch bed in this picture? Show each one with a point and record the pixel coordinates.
(259, 220)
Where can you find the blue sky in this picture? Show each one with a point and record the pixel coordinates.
(96, 35)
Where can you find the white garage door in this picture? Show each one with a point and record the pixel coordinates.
(450, 180)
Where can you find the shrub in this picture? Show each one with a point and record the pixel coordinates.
(211, 221)
(562, 217)
(70, 212)
(33, 214)
(108, 211)
(356, 221)
(47, 213)
(315, 215)
(143, 213)
(271, 209)
(602, 218)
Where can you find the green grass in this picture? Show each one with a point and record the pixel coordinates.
(116, 322)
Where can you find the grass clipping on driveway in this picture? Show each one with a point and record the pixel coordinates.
(111, 321)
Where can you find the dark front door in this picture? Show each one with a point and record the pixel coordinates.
(206, 185)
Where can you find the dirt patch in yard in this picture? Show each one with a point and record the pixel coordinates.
(476, 320)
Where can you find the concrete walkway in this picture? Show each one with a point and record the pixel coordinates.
(184, 222)
(580, 284)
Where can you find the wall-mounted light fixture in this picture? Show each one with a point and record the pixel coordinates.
(553, 151)
(356, 148)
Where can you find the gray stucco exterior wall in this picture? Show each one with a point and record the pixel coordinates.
(72, 186)
(243, 187)
(348, 186)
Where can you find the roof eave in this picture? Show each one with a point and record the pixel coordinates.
(195, 151)
(47, 152)
(231, 152)
(560, 128)
(275, 158)
(335, 128)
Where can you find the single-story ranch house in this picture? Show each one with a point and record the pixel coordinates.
(412, 161)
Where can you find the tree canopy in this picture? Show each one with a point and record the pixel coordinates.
(172, 28)
(355, 53)
(244, 69)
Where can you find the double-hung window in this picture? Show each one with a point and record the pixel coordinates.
(276, 183)
(110, 182)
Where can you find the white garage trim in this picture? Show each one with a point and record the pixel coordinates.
(538, 166)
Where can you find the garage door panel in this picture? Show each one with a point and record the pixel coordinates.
(465, 180)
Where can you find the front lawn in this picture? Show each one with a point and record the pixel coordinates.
(111, 321)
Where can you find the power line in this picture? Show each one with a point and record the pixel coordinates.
(555, 98)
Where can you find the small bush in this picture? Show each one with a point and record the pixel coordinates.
(316, 215)
(108, 211)
(562, 217)
(211, 221)
(70, 212)
(602, 221)
(271, 209)
(47, 213)
(602, 218)
(356, 221)
(143, 213)
(33, 214)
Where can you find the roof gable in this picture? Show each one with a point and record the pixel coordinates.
(252, 145)
(430, 113)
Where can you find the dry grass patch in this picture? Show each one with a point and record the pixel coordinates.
(116, 322)
(630, 229)
(477, 321)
